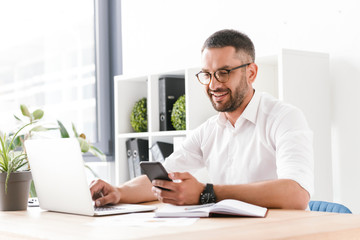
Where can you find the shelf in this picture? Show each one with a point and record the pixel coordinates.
(153, 134)
(133, 135)
(129, 89)
(168, 133)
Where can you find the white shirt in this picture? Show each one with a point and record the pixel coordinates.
(270, 140)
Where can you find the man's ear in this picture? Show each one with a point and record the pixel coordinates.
(251, 71)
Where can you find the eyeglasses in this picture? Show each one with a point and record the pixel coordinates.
(221, 75)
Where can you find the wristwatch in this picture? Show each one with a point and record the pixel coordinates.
(208, 195)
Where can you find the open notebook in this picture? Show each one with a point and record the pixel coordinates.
(224, 207)
(59, 175)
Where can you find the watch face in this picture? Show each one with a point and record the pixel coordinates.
(207, 198)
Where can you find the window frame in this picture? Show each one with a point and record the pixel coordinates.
(108, 63)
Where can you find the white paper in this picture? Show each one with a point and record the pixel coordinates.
(141, 220)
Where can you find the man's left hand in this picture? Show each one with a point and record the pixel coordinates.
(185, 189)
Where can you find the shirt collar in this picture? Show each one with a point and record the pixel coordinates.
(250, 112)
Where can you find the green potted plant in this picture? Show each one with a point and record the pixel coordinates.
(15, 176)
(138, 117)
(178, 114)
(34, 118)
(37, 115)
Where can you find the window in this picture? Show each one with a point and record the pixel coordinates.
(54, 55)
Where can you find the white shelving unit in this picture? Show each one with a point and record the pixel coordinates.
(297, 77)
(130, 89)
(302, 79)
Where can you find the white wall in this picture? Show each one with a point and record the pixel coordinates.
(161, 35)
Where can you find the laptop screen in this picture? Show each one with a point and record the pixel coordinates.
(59, 175)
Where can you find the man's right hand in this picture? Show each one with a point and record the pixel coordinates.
(103, 193)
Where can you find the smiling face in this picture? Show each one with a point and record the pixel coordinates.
(234, 94)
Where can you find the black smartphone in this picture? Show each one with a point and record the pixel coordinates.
(154, 170)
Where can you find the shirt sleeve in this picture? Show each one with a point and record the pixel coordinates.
(294, 149)
(189, 157)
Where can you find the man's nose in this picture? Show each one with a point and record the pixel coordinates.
(214, 83)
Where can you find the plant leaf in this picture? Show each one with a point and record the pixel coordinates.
(42, 128)
(97, 152)
(32, 190)
(17, 118)
(64, 133)
(92, 171)
(4, 154)
(6, 181)
(15, 135)
(19, 141)
(25, 111)
(84, 145)
(38, 114)
(18, 162)
(39, 129)
(74, 130)
(3, 167)
(9, 162)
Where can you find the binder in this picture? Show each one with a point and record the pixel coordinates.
(170, 89)
(137, 150)
(161, 150)
(129, 155)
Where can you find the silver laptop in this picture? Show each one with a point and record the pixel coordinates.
(59, 176)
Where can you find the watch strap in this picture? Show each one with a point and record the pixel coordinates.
(208, 195)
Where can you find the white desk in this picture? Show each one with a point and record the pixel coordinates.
(278, 224)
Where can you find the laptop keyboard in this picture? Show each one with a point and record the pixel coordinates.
(120, 209)
(101, 209)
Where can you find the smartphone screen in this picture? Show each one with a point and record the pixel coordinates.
(154, 170)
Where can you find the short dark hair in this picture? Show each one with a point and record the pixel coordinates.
(229, 37)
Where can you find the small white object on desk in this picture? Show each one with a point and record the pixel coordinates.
(33, 202)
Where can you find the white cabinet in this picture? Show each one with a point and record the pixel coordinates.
(297, 77)
(302, 79)
(129, 90)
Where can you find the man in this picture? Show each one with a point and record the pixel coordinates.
(257, 149)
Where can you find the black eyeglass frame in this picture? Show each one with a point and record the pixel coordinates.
(214, 74)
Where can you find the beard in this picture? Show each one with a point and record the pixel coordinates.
(236, 98)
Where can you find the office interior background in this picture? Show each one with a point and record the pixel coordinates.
(159, 36)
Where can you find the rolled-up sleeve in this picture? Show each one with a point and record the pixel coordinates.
(294, 149)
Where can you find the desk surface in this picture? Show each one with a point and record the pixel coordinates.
(278, 224)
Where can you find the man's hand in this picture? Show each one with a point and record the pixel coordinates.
(185, 190)
(103, 193)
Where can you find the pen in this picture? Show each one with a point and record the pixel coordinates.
(199, 206)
